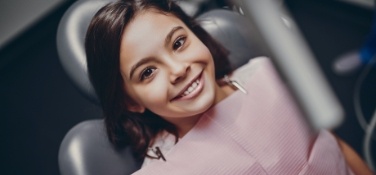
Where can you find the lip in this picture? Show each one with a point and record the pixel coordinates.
(192, 94)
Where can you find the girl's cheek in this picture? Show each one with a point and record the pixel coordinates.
(197, 50)
(155, 93)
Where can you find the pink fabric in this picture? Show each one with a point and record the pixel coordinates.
(261, 132)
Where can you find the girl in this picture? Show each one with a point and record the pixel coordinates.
(156, 73)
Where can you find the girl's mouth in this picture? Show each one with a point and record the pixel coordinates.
(192, 89)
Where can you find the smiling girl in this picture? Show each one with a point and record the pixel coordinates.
(158, 77)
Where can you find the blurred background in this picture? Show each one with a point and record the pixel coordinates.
(39, 103)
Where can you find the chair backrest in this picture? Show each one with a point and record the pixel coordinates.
(85, 150)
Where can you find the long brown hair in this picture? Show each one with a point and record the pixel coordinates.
(103, 54)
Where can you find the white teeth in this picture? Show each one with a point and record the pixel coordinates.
(194, 85)
(191, 88)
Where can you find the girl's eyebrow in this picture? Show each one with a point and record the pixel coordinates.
(147, 59)
(139, 63)
(169, 35)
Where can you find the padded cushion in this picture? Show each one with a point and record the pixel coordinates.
(70, 43)
(86, 150)
(235, 33)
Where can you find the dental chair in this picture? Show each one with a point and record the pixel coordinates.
(85, 149)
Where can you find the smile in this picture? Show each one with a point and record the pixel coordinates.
(192, 90)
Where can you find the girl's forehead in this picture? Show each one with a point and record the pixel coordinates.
(146, 34)
(153, 18)
(148, 26)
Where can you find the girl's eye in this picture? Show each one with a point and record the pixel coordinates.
(147, 73)
(179, 43)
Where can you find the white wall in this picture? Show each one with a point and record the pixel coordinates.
(17, 15)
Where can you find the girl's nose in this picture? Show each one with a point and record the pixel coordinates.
(178, 71)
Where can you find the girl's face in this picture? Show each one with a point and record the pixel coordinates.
(166, 68)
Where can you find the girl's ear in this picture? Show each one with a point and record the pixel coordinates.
(136, 108)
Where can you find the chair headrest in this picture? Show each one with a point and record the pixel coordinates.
(235, 33)
(70, 43)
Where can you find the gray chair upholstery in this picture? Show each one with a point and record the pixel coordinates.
(235, 33)
(70, 43)
(85, 150)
